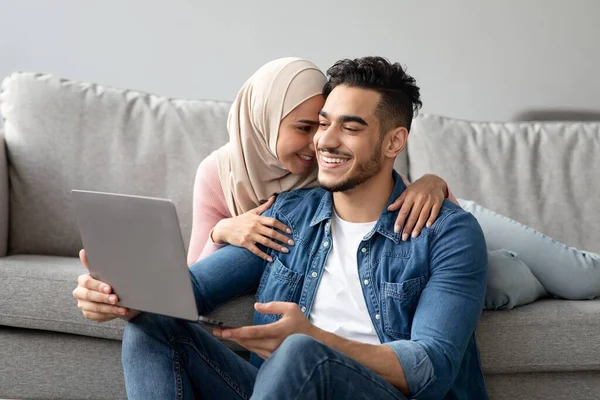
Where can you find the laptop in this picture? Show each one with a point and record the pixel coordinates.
(134, 244)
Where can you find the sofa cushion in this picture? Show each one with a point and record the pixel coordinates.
(62, 135)
(37, 294)
(544, 175)
(49, 365)
(548, 335)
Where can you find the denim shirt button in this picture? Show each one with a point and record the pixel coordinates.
(314, 274)
(364, 249)
(366, 281)
(325, 244)
(377, 316)
(303, 309)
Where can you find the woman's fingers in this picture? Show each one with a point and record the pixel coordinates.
(268, 221)
(265, 241)
(407, 205)
(264, 207)
(258, 252)
(425, 211)
(412, 219)
(273, 234)
(398, 203)
(435, 211)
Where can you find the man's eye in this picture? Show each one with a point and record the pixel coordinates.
(322, 125)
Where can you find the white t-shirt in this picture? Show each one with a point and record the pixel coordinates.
(339, 306)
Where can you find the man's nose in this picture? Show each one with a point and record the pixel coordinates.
(327, 138)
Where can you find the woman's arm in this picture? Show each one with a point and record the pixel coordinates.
(209, 207)
(213, 226)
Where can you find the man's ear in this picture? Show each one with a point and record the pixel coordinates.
(396, 142)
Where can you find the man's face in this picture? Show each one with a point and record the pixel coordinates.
(348, 142)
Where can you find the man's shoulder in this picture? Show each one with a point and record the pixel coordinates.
(453, 217)
(299, 200)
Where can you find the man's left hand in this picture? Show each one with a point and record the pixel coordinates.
(265, 339)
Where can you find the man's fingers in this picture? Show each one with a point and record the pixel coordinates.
(98, 317)
(256, 332)
(83, 293)
(87, 281)
(100, 308)
(275, 223)
(274, 307)
(83, 259)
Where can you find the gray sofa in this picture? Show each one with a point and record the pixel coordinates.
(60, 134)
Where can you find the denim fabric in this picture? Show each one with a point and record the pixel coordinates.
(165, 358)
(424, 295)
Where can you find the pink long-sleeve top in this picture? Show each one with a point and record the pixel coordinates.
(210, 207)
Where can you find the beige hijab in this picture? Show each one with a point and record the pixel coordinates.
(249, 169)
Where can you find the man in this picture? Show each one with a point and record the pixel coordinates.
(352, 311)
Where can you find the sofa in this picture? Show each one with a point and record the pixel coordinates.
(59, 135)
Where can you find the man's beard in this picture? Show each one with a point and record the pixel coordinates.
(364, 171)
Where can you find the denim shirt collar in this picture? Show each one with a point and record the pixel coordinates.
(386, 221)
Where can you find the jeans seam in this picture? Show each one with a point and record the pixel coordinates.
(206, 359)
(314, 370)
(178, 379)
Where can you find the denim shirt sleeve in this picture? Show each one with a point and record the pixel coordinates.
(225, 274)
(448, 309)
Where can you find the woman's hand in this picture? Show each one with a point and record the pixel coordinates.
(250, 229)
(420, 203)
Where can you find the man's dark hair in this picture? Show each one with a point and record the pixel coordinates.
(400, 96)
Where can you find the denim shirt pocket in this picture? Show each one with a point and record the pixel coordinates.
(278, 283)
(399, 303)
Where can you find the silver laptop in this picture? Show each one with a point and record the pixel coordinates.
(134, 244)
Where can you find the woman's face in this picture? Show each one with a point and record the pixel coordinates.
(295, 149)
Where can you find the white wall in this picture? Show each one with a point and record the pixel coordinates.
(473, 59)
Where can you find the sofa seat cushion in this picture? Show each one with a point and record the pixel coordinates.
(37, 294)
(545, 336)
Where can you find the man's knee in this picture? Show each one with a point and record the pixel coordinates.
(299, 346)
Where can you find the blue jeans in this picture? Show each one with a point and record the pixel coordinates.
(166, 358)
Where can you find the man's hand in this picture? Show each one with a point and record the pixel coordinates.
(96, 300)
(265, 339)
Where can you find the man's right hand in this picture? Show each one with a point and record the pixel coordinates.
(96, 300)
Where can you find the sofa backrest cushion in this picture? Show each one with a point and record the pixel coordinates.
(62, 135)
(543, 174)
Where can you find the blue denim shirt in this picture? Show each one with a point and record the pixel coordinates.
(424, 295)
